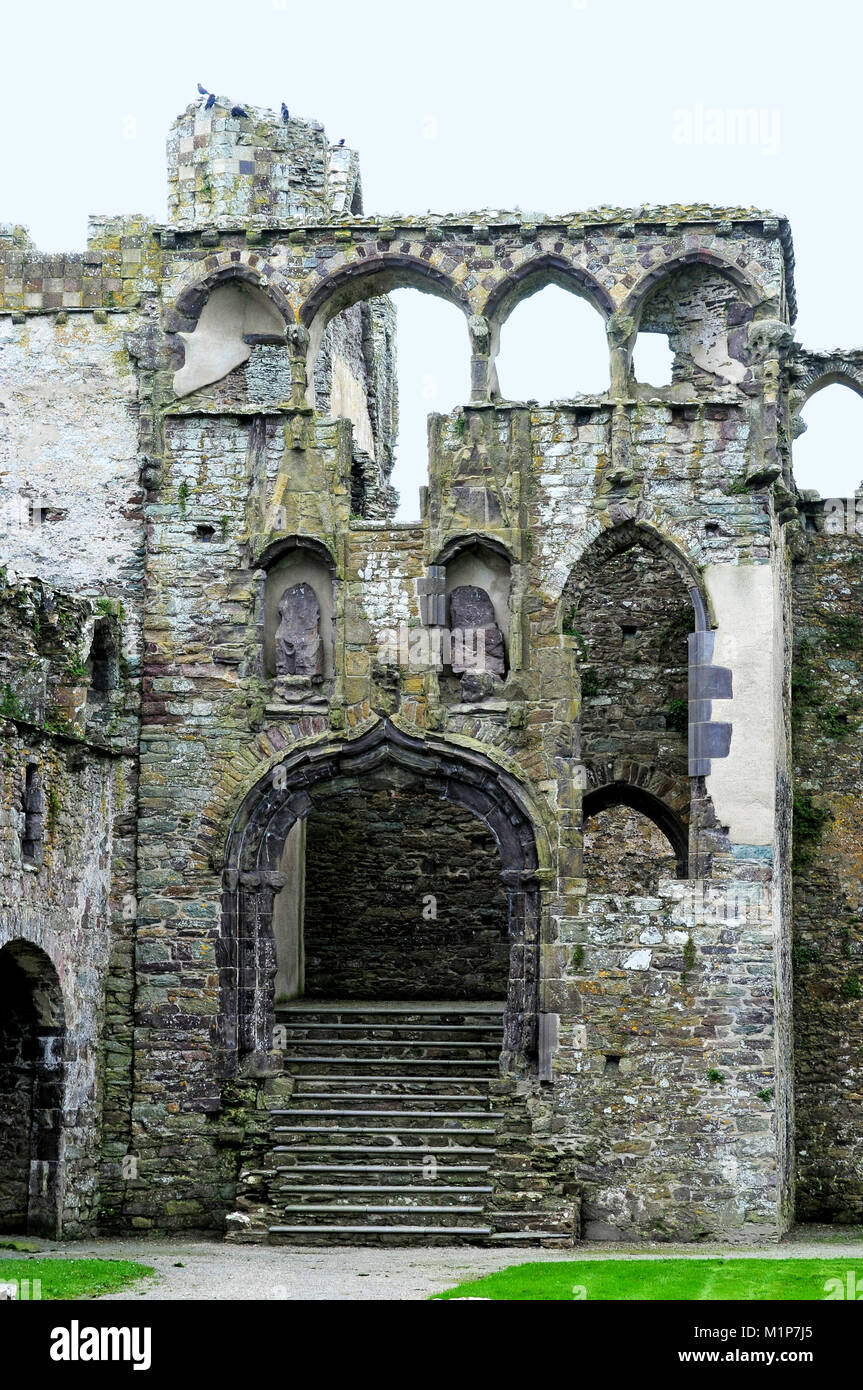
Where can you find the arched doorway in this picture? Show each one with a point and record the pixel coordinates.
(492, 946)
(32, 1039)
(631, 841)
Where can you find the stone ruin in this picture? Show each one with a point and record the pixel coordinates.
(615, 873)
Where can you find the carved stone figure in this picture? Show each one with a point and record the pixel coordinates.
(299, 648)
(477, 641)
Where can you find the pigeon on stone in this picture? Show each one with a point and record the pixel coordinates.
(341, 142)
(238, 111)
(286, 115)
(209, 102)
(204, 92)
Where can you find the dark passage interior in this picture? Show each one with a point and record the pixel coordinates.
(31, 1090)
(403, 900)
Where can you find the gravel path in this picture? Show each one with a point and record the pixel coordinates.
(196, 1268)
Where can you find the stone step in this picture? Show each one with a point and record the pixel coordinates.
(379, 1136)
(346, 1117)
(520, 1223)
(325, 1214)
(371, 1065)
(390, 1133)
(409, 1032)
(376, 1235)
(549, 1240)
(361, 1047)
(383, 1175)
(353, 1101)
(418, 1085)
(401, 1194)
(397, 1150)
(488, 1013)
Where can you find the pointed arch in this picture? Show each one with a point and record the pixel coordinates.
(616, 538)
(253, 875)
(633, 305)
(368, 278)
(664, 816)
(534, 274)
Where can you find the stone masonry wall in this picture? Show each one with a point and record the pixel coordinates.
(373, 862)
(625, 853)
(665, 1075)
(827, 707)
(72, 896)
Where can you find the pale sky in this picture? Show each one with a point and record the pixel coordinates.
(554, 107)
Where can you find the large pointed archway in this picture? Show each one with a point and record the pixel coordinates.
(263, 862)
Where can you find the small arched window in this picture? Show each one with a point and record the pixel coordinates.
(828, 456)
(631, 841)
(552, 347)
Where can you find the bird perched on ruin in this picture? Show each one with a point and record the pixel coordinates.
(238, 111)
(209, 102)
(286, 115)
(204, 91)
(341, 142)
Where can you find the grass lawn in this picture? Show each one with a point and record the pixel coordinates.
(649, 1280)
(74, 1278)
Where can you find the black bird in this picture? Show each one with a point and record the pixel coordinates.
(286, 115)
(341, 142)
(238, 111)
(209, 102)
(203, 90)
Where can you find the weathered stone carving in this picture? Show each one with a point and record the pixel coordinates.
(299, 648)
(477, 643)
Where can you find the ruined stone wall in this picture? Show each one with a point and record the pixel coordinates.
(228, 161)
(71, 495)
(237, 476)
(67, 867)
(705, 320)
(626, 853)
(355, 376)
(827, 708)
(666, 1077)
(403, 901)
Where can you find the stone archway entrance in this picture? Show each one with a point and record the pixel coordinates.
(32, 1039)
(493, 941)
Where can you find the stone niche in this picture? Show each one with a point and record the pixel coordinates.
(705, 321)
(477, 589)
(298, 626)
(235, 317)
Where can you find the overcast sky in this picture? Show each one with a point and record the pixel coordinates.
(553, 106)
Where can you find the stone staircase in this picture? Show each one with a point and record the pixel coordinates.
(392, 1132)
